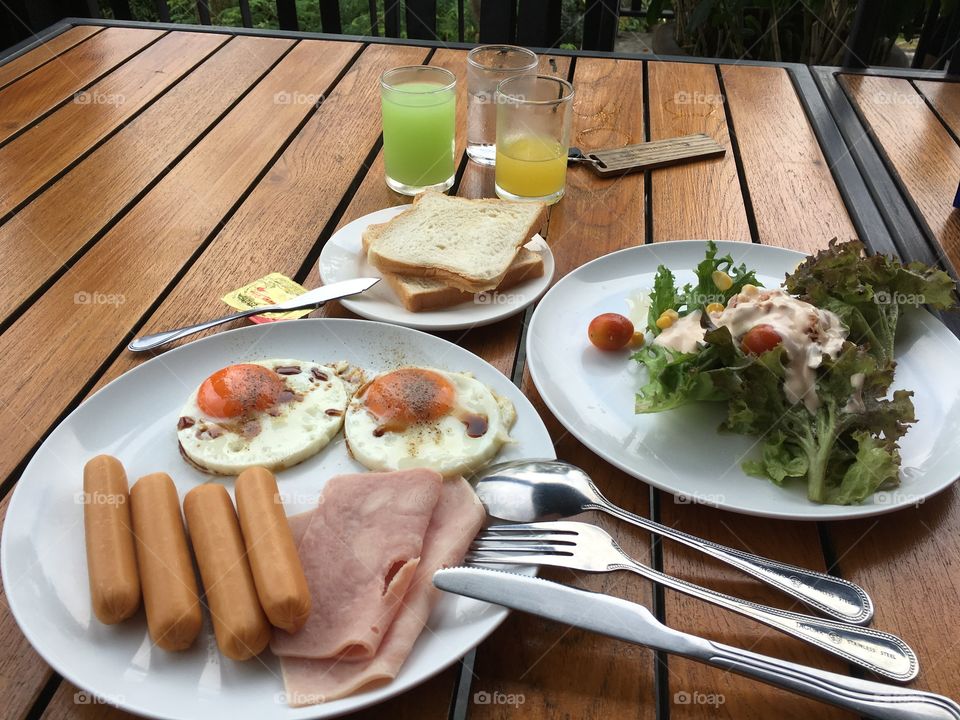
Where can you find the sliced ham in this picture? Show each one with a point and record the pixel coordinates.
(360, 550)
(457, 518)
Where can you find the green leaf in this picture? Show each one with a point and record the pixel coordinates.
(662, 297)
(875, 466)
(869, 293)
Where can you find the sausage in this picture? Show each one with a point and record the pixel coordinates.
(277, 572)
(166, 573)
(111, 556)
(241, 627)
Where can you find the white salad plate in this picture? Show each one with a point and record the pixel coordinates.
(342, 258)
(680, 451)
(134, 418)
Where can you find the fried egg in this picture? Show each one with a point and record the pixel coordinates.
(269, 413)
(423, 417)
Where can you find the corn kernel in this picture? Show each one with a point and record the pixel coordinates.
(636, 341)
(749, 289)
(721, 280)
(672, 314)
(714, 308)
(664, 321)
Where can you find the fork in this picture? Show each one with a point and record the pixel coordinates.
(582, 546)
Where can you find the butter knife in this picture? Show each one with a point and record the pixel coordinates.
(634, 623)
(310, 299)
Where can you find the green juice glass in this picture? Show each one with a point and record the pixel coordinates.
(419, 105)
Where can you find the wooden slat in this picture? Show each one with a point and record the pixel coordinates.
(137, 258)
(289, 208)
(945, 99)
(22, 671)
(558, 670)
(40, 91)
(793, 542)
(43, 236)
(49, 50)
(910, 563)
(302, 189)
(923, 156)
(428, 701)
(58, 140)
(785, 169)
(698, 200)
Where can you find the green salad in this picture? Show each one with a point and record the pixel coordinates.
(807, 368)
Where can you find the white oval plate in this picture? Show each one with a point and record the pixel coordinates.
(342, 258)
(134, 418)
(680, 451)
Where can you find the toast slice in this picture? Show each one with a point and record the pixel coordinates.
(466, 244)
(419, 294)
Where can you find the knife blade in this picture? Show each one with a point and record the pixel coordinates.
(311, 298)
(634, 623)
(593, 611)
(324, 293)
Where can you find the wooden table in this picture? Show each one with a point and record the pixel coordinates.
(145, 171)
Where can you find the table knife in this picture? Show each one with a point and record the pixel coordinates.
(310, 299)
(634, 623)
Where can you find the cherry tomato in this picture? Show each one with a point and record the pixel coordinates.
(610, 331)
(760, 338)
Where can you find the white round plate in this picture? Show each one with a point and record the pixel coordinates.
(342, 258)
(134, 418)
(592, 393)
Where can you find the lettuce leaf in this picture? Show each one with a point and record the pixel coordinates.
(693, 296)
(869, 293)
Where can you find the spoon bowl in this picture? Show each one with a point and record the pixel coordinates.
(538, 489)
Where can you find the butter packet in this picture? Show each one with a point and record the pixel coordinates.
(269, 290)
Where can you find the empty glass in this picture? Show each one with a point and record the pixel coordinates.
(487, 66)
(534, 114)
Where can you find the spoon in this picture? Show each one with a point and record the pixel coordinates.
(535, 490)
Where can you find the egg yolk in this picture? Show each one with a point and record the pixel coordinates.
(239, 389)
(409, 396)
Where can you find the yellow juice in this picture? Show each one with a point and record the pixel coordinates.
(531, 166)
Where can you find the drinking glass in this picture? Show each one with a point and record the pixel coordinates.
(419, 114)
(533, 137)
(487, 66)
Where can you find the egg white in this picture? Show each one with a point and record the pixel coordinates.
(442, 445)
(301, 429)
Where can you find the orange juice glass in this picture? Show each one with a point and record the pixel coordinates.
(534, 114)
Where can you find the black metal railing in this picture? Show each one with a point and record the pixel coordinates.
(536, 23)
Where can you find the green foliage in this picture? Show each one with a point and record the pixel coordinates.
(812, 32)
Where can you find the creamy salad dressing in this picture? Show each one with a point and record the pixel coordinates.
(807, 332)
